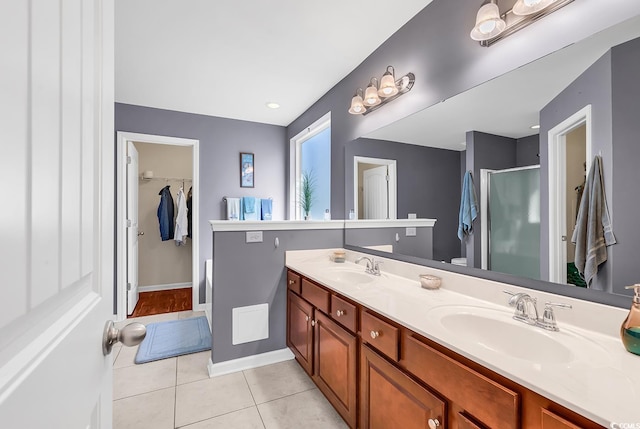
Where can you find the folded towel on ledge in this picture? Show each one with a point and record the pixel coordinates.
(267, 206)
(593, 231)
(468, 207)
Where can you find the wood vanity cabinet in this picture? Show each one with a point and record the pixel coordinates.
(389, 399)
(380, 375)
(327, 351)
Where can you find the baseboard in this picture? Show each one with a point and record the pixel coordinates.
(248, 362)
(155, 288)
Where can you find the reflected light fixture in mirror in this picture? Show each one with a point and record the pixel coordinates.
(492, 26)
(376, 96)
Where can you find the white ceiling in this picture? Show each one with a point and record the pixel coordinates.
(229, 58)
(510, 104)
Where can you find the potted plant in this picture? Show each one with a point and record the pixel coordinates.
(307, 189)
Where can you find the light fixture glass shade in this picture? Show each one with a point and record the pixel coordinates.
(371, 97)
(388, 86)
(527, 7)
(489, 24)
(357, 106)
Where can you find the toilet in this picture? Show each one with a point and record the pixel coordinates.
(459, 261)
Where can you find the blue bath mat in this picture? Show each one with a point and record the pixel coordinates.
(174, 338)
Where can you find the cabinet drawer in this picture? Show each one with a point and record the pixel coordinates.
(380, 334)
(344, 313)
(491, 403)
(465, 422)
(551, 420)
(293, 282)
(315, 295)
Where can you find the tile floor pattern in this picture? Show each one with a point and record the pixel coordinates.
(178, 393)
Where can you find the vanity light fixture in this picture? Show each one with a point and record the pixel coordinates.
(376, 95)
(492, 26)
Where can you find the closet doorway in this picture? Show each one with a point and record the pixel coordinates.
(154, 172)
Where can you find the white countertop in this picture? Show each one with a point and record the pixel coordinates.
(600, 382)
(388, 223)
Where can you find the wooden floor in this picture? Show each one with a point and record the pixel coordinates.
(164, 301)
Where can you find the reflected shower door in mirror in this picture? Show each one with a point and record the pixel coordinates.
(508, 123)
(510, 212)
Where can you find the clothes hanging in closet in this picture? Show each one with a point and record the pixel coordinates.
(181, 219)
(189, 206)
(165, 214)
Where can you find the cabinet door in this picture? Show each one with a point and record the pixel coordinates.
(300, 331)
(335, 361)
(389, 399)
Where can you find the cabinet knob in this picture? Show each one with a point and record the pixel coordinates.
(313, 323)
(291, 282)
(375, 334)
(339, 313)
(434, 423)
(306, 318)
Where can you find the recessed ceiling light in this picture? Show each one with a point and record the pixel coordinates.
(535, 127)
(272, 105)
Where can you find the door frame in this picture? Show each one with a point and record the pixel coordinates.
(121, 202)
(557, 154)
(393, 182)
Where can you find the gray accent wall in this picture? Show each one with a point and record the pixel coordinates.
(221, 141)
(420, 245)
(254, 273)
(485, 151)
(428, 185)
(527, 150)
(436, 47)
(592, 87)
(624, 202)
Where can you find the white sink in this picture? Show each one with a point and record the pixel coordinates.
(496, 331)
(349, 275)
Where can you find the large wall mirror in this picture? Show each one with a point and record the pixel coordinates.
(528, 138)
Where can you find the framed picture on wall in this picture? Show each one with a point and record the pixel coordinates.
(246, 170)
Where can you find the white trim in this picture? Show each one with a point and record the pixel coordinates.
(273, 225)
(393, 182)
(389, 223)
(294, 161)
(248, 362)
(121, 160)
(556, 146)
(169, 286)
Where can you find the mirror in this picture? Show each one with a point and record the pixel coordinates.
(490, 128)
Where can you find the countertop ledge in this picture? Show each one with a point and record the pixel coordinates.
(604, 390)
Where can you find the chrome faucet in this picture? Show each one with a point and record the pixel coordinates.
(527, 312)
(373, 266)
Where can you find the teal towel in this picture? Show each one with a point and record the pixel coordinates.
(468, 207)
(249, 204)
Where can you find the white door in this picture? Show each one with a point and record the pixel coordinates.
(376, 193)
(57, 221)
(132, 227)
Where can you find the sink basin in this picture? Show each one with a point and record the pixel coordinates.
(349, 275)
(496, 331)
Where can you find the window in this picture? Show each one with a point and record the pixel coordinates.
(311, 155)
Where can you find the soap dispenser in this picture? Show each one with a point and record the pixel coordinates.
(630, 329)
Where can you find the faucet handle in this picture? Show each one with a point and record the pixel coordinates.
(376, 267)
(548, 317)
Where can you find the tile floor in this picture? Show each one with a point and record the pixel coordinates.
(178, 393)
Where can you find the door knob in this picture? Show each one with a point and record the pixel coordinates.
(130, 335)
(141, 233)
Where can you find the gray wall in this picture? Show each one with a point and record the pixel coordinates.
(623, 202)
(491, 152)
(221, 141)
(428, 185)
(254, 273)
(527, 150)
(420, 246)
(435, 45)
(592, 87)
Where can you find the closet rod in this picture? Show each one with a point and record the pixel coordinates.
(224, 199)
(177, 179)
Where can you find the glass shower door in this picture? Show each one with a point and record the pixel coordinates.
(514, 221)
